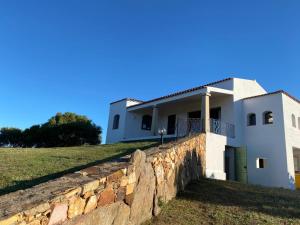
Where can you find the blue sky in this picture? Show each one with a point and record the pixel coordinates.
(78, 56)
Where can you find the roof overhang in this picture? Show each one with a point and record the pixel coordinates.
(202, 91)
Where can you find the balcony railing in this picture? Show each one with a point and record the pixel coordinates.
(219, 127)
(190, 126)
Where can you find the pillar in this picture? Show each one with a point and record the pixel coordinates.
(154, 121)
(205, 117)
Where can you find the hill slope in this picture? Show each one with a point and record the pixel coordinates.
(219, 202)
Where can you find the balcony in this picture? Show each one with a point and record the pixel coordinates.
(186, 127)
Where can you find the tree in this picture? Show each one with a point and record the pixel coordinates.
(31, 137)
(61, 130)
(69, 129)
(65, 118)
(11, 137)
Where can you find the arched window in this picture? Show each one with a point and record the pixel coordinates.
(268, 117)
(146, 122)
(116, 121)
(251, 119)
(294, 121)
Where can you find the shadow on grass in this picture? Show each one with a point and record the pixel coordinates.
(24, 184)
(275, 202)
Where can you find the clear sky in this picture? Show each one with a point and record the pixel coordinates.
(78, 56)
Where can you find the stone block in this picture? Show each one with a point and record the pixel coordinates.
(121, 192)
(76, 207)
(115, 177)
(37, 209)
(91, 204)
(73, 192)
(129, 189)
(107, 196)
(59, 214)
(132, 178)
(124, 181)
(11, 220)
(91, 186)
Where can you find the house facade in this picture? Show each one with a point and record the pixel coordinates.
(251, 135)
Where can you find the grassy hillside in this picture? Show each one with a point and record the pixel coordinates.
(21, 168)
(219, 202)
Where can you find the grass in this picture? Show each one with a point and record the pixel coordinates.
(23, 168)
(220, 202)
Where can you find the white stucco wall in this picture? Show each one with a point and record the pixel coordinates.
(292, 134)
(215, 150)
(243, 89)
(266, 141)
(117, 135)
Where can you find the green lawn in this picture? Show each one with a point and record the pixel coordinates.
(219, 202)
(22, 168)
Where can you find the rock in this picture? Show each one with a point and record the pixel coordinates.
(59, 214)
(138, 159)
(142, 204)
(88, 194)
(129, 199)
(131, 178)
(76, 207)
(124, 181)
(11, 220)
(121, 192)
(113, 214)
(115, 177)
(129, 189)
(91, 186)
(102, 180)
(91, 204)
(35, 222)
(107, 196)
(73, 192)
(159, 173)
(44, 221)
(37, 209)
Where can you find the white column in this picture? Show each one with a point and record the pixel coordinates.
(205, 117)
(154, 120)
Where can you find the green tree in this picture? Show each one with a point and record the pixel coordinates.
(64, 118)
(11, 137)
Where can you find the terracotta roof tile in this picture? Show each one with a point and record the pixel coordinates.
(273, 93)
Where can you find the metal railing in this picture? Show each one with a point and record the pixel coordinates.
(219, 127)
(190, 126)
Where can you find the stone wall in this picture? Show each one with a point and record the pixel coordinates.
(129, 191)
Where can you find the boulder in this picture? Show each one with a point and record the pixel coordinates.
(113, 214)
(143, 195)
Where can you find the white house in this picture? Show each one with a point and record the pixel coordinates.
(251, 135)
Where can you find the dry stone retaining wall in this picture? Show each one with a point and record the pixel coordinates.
(116, 193)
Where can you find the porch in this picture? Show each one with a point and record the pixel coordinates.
(208, 110)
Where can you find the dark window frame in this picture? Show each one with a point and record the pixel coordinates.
(268, 117)
(146, 122)
(261, 163)
(116, 122)
(171, 128)
(251, 119)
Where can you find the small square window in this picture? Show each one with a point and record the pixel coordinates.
(260, 163)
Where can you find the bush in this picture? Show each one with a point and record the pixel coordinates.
(61, 130)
